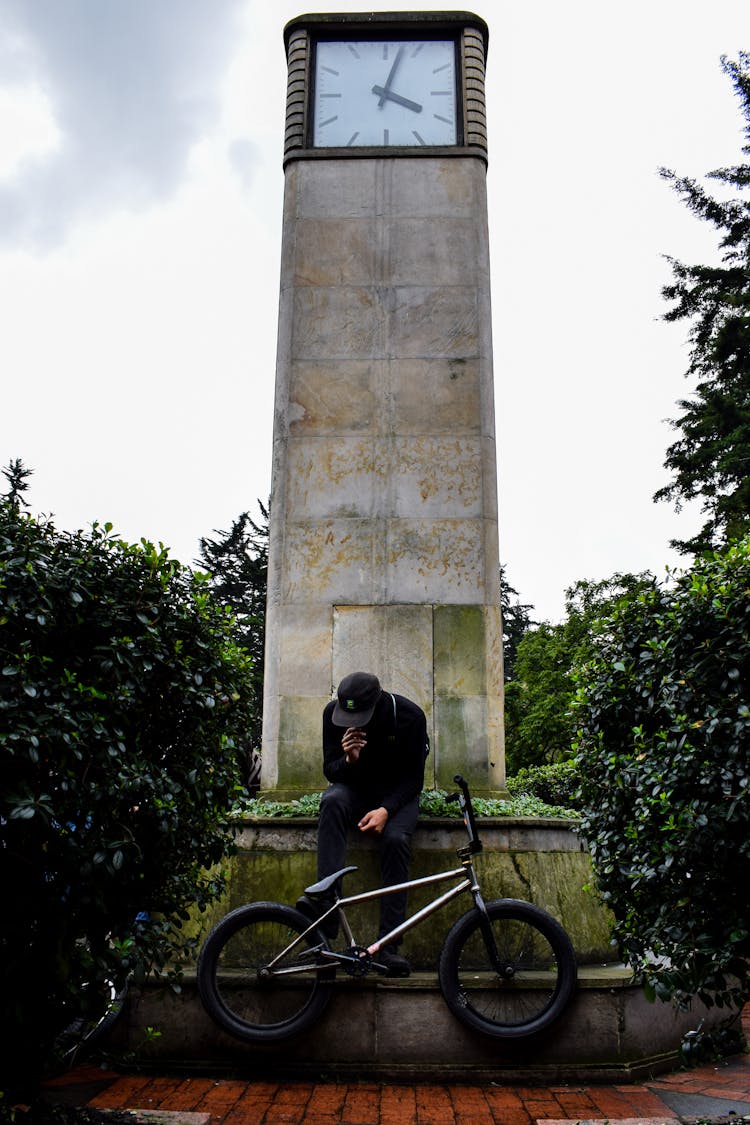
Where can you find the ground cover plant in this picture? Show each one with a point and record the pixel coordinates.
(433, 802)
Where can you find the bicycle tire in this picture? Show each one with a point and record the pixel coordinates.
(247, 1006)
(539, 978)
(83, 1033)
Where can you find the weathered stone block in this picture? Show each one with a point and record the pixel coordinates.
(336, 476)
(461, 740)
(436, 395)
(337, 323)
(299, 762)
(330, 561)
(334, 396)
(417, 257)
(304, 650)
(393, 641)
(460, 650)
(335, 251)
(432, 321)
(333, 189)
(453, 188)
(437, 477)
(434, 560)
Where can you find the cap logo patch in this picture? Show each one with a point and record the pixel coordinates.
(350, 704)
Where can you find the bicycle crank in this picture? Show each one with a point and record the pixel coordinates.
(356, 961)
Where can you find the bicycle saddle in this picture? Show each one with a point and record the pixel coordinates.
(324, 885)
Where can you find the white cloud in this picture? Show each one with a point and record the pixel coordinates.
(28, 130)
(132, 87)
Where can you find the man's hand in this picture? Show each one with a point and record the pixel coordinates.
(374, 821)
(352, 742)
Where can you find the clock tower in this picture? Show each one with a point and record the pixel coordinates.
(384, 542)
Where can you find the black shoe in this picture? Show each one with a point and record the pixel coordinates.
(395, 964)
(313, 908)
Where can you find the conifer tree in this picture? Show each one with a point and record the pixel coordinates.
(237, 561)
(710, 460)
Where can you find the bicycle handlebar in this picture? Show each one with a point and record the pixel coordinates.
(467, 811)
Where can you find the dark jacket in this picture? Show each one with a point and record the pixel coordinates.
(390, 768)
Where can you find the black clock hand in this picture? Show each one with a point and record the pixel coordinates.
(385, 93)
(389, 79)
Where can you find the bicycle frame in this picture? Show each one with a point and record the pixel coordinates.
(468, 882)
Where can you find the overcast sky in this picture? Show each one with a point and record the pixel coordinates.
(140, 222)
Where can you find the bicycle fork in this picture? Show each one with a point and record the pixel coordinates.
(504, 969)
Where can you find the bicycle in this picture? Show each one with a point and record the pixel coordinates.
(506, 969)
(85, 1032)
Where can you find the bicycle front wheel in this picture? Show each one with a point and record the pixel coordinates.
(255, 982)
(522, 989)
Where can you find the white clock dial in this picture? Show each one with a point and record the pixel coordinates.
(384, 93)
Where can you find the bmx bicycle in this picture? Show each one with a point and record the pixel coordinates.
(507, 968)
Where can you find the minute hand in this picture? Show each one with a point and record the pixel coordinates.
(382, 92)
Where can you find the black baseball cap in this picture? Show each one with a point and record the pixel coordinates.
(358, 696)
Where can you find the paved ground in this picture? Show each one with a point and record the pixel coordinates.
(713, 1091)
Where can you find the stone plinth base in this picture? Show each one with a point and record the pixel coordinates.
(399, 1029)
(402, 1030)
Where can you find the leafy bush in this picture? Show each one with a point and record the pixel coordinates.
(122, 700)
(539, 722)
(556, 784)
(664, 751)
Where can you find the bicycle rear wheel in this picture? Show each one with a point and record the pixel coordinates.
(533, 983)
(85, 1032)
(246, 998)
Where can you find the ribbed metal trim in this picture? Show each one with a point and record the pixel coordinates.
(298, 74)
(475, 108)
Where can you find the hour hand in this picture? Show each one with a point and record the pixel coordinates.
(384, 93)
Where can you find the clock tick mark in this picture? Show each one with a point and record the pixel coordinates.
(416, 134)
(447, 120)
(352, 139)
(328, 120)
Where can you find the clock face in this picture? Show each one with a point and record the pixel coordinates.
(384, 93)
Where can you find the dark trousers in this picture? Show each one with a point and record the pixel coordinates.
(340, 810)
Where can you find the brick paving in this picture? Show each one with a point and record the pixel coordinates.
(236, 1102)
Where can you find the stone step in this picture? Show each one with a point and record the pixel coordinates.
(393, 1030)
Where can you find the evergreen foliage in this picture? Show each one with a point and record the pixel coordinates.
(539, 723)
(711, 458)
(237, 565)
(516, 618)
(663, 751)
(557, 784)
(123, 697)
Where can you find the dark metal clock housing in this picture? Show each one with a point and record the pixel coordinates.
(406, 83)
